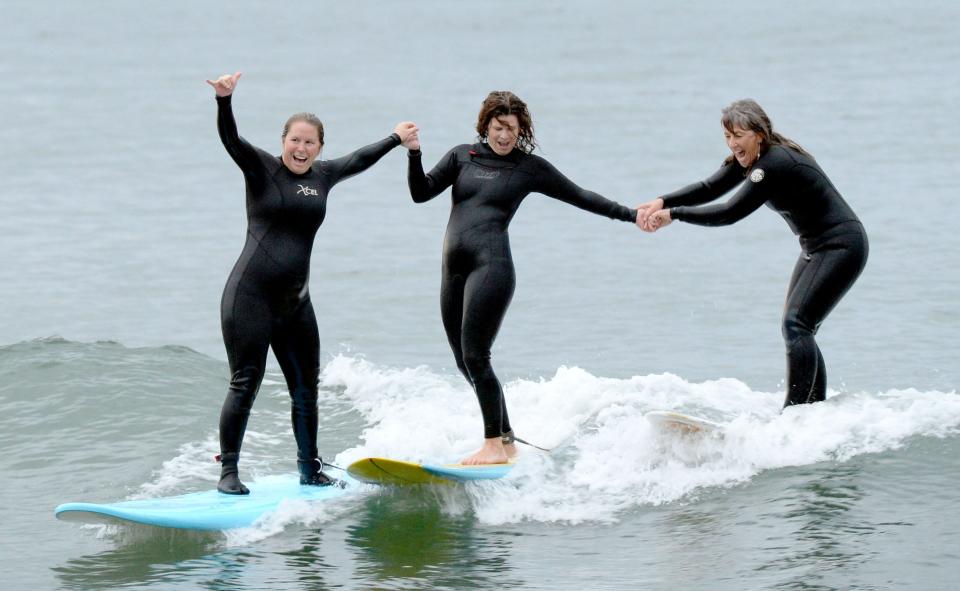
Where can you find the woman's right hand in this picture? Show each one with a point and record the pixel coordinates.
(224, 85)
(412, 142)
(409, 135)
(645, 210)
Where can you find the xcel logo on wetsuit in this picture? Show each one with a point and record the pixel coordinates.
(307, 191)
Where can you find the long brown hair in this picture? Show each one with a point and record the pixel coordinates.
(749, 115)
(306, 118)
(501, 103)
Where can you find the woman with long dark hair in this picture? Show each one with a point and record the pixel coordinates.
(775, 171)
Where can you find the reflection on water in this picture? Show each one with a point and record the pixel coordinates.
(143, 554)
(409, 538)
(308, 564)
(825, 531)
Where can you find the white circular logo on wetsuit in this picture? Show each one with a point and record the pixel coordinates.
(757, 175)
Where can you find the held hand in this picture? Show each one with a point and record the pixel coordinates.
(645, 210)
(413, 141)
(408, 132)
(659, 219)
(224, 85)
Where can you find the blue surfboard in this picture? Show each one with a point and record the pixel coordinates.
(207, 510)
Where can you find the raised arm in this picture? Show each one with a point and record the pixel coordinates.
(358, 161)
(242, 152)
(552, 183)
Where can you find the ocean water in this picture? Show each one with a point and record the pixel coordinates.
(121, 216)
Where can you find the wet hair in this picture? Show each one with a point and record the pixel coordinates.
(748, 114)
(306, 118)
(501, 103)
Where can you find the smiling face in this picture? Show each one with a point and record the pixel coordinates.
(301, 146)
(502, 134)
(744, 144)
(504, 123)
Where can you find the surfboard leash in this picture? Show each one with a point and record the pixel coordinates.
(509, 437)
(332, 465)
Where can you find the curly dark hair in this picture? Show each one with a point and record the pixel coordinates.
(501, 103)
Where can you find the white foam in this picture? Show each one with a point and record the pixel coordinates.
(290, 512)
(607, 458)
(194, 467)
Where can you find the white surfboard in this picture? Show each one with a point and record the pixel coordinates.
(676, 422)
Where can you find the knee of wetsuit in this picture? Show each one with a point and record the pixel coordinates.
(794, 328)
(477, 364)
(244, 383)
(462, 366)
(304, 399)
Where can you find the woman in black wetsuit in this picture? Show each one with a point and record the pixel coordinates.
(266, 302)
(490, 179)
(776, 171)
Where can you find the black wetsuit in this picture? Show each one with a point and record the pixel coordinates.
(266, 302)
(834, 246)
(478, 276)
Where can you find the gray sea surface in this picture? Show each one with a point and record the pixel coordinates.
(121, 216)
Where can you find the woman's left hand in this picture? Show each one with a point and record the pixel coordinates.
(659, 219)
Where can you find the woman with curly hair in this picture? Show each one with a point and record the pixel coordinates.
(490, 179)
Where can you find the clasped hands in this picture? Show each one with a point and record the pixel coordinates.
(651, 216)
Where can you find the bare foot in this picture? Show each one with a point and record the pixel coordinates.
(492, 452)
(511, 449)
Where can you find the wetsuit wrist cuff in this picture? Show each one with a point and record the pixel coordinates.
(414, 153)
(396, 136)
(223, 99)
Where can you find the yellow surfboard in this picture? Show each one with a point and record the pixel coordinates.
(399, 472)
